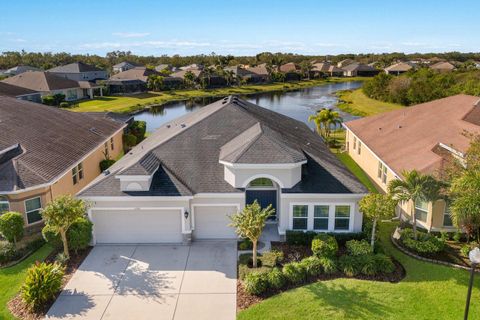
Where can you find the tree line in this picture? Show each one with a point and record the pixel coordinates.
(422, 85)
(47, 60)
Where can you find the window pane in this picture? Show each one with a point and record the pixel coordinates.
(32, 204)
(421, 215)
(447, 220)
(342, 224)
(261, 182)
(320, 211)
(4, 206)
(320, 224)
(300, 223)
(34, 216)
(300, 211)
(380, 170)
(342, 211)
(422, 205)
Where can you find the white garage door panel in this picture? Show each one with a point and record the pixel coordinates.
(212, 222)
(137, 226)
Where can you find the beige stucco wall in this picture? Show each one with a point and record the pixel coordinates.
(64, 185)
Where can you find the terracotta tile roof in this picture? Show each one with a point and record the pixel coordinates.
(405, 139)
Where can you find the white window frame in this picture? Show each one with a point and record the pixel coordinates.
(342, 218)
(78, 173)
(420, 209)
(301, 218)
(331, 216)
(5, 202)
(321, 218)
(26, 212)
(446, 211)
(382, 172)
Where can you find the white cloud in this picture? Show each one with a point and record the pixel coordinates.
(131, 34)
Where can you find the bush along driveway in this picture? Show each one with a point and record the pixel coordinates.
(11, 279)
(428, 291)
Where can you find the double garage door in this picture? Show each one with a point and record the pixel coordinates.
(160, 225)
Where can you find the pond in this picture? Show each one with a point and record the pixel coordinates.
(298, 104)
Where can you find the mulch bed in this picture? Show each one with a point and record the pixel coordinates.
(297, 253)
(450, 254)
(18, 308)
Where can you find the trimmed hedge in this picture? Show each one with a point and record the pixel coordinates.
(304, 238)
(369, 264)
(425, 243)
(256, 282)
(358, 248)
(324, 245)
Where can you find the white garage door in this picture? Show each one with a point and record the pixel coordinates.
(212, 222)
(137, 226)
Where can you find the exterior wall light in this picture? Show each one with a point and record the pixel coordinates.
(185, 214)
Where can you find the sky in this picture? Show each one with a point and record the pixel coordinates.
(240, 27)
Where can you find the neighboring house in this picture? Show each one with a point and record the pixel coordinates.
(359, 70)
(79, 71)
(124, 66)
(162, 67)
(443, 66)
(193, 66)
(399, 68)
(261, 71)
(48, 84)
(131, 81)
(10, 90)
(181, 74)
(326, 69)
(245, 74)
(422, 137)
(184, 180)
(46, 152)
(20, 69)
(344, 63)
(291, 71)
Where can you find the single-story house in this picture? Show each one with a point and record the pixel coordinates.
(261, 71)
(193, 66)
(359, 70)
(48, 84)
(46, 152)
(124, 66)
(421, 137)
(131, 81)
(443, 66)
(10, 90)
(183, 181)
(79, 71)
(345, 63)
(326, 68)
(162, 67)
(20, 69)
(246, 74)
(399, 68)
(291, 71)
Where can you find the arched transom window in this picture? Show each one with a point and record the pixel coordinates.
(261, 182)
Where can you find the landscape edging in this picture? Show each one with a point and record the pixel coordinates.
(415, 256)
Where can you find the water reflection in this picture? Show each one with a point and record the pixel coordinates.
(297, 104)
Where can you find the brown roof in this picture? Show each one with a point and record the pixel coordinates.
(50, 141)
(137, 73)
(325, 67)
(442, 65)
(399, 67)
(289, 67)
(14, 91)
(181, 73)
(405, 139)
(261, 69)
(41, 81)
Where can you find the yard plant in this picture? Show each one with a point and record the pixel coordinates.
(42, 283)
(12, 226)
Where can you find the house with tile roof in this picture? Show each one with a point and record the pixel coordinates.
(46, 152)
(359, 70)
(443, 66)
(183, 181)
(423, 137)
(399, 68)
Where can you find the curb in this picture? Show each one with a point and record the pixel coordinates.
(415, 256)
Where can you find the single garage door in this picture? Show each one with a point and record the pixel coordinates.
(137, 226)
(212, 222)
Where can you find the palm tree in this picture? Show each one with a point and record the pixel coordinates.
(208, 73)
(415, 186)
(306, 68)
(324, 119)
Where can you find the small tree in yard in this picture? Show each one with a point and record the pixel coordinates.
(249, 223)
(377, 206)
(61, 213)
(11, 226)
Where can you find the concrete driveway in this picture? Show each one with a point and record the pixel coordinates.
(153, 282)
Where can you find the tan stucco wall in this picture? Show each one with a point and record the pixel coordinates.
(65, 184)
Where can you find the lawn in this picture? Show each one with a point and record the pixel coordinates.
(358, 104)
(11, 279)
(428, 291)
(137, 102)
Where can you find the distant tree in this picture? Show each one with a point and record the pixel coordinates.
(61, 213)
(189, 79)
(155, 82)
(376, 207)
(249, 223)
(306, 68)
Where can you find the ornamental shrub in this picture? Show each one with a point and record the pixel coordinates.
(105, 164)
(300, 238)
(276, 279)
(358, 248)
(138, 129)
(42, 283)
(50, 236)
(313, 266)
(324, 245)
(294, 272)
(129, 141)
(256, 283)
(79, 234)
(367, 264)
(272, 258)
(425, 243)
(12, 226)
(384, 263)
(329, 265)
(349, 265)
(8, 252)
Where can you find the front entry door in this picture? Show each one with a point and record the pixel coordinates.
(264, 198)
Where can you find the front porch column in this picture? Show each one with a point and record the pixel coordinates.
(90, 93)
(101, 92)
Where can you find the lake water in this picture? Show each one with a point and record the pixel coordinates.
(298, 104)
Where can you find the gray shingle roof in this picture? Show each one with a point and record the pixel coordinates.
(190, 147)
(52, 141)
(41, 81)
(75, 67)
(14, 91)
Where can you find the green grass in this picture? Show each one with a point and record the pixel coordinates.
(11, 279)
(140, 101)
(358, 104)
(428, 291)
